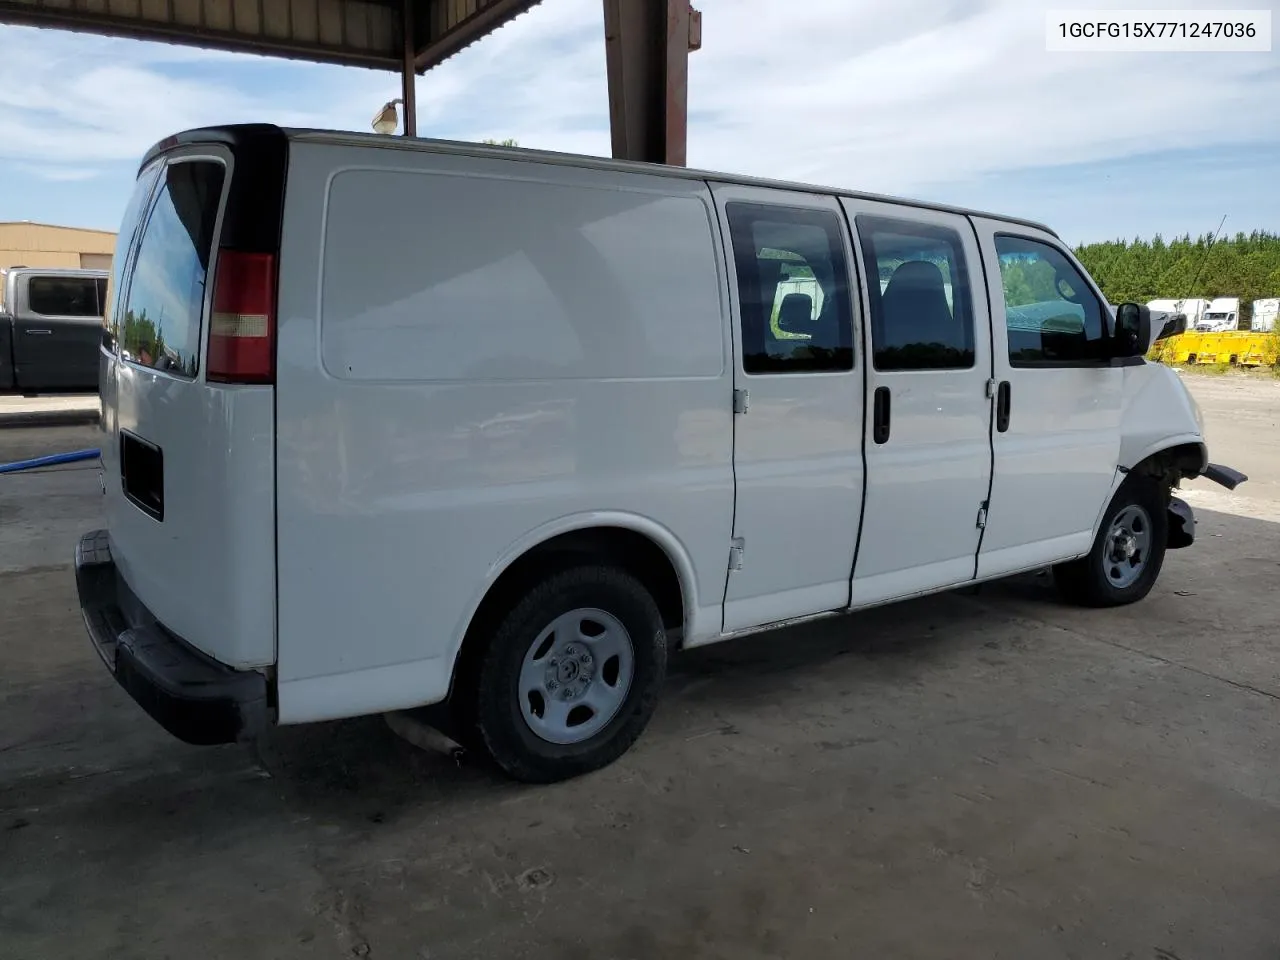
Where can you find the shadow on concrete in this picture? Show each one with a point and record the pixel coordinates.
(360, 769)
(360, 774)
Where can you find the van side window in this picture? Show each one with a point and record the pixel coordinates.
(133, 212)
(793, 289)
(921, 312)
(1051, 315)
(63, 296)
(162, 316)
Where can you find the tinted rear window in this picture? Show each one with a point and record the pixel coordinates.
(162, 315)
(64, 296)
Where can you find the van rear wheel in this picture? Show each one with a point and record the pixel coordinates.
(1128, 551)
(571, 676)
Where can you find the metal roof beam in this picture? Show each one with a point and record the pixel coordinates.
(647, 45)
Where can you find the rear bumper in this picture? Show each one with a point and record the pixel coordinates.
(196, 699)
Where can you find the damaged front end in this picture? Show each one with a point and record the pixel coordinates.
(1182, 520)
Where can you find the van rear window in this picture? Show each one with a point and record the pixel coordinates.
(162, 315)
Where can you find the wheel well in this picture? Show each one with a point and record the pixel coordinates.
(615, 546)
(1172, 464)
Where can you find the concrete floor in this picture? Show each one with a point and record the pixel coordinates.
(965, 776)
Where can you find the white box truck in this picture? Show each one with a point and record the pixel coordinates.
(1192, 308)
(495, 430)
(1264, 315)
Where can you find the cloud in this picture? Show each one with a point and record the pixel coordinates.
(892, 98)
(55, 173)
(929, 90)
(92, 100)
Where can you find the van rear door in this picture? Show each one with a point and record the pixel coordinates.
(189, 451)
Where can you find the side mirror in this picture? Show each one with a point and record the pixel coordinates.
(1133, 331)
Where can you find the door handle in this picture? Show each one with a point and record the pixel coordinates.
(38, 331)
(880, 416)
(1003, 402)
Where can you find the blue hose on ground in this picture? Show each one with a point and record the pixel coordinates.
(50, 461)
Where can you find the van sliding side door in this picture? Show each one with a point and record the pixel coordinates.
(928, 445)
(798, 397)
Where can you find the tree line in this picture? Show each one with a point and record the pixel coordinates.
(1245, 266)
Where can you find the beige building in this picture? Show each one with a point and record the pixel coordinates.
(28, 244)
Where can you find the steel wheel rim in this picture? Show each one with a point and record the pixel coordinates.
(1127, 549)
(576, 675)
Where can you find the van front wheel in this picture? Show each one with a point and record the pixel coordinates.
(571, 675)
(1128, 551)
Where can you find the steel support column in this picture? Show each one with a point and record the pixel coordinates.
(409, 72)
(647, 44)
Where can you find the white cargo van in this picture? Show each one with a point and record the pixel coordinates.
(396, 422)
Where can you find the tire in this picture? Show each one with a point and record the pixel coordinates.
(1107, 578)
(512, 680)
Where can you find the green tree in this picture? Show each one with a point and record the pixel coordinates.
(1245, 266)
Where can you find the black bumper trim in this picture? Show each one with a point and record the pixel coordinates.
(196, 699)
(1226, 476)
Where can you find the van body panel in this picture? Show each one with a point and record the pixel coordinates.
(798, 445)
(610, 394)
(1158, 413)
(355, 692)
(928, 481)
(215, 584)
(191, 515)
(1056, 461)
(702, 612)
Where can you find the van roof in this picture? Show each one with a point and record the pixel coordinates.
(234, 132)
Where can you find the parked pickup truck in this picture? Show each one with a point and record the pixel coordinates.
(50, 329)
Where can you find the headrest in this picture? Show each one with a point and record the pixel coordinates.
(915, 275)
(796, 313)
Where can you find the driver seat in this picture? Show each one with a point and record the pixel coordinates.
(915, 307)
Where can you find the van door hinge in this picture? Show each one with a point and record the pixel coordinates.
(982, 514)
(992, 388)
(741, 400)
(737, 548)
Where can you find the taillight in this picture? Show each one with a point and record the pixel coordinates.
(242, 330)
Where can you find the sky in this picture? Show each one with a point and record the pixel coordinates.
(948, 100)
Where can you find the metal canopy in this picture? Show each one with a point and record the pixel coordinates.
(647, 45)
(364, 33)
